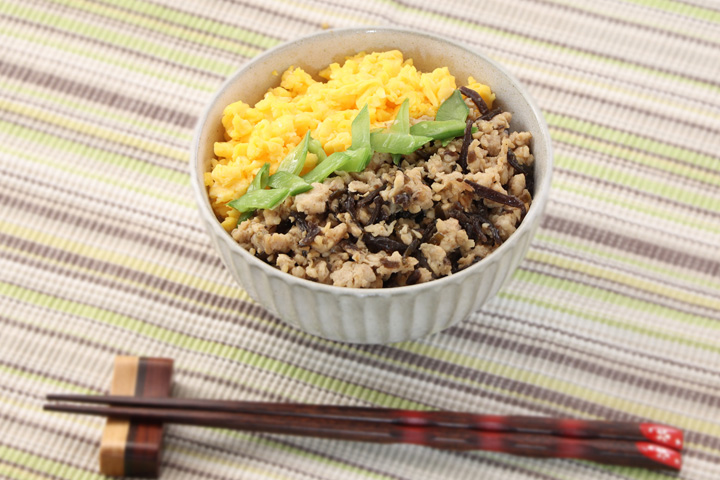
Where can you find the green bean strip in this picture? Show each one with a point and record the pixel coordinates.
(397, 139)
(259, 182)
(398, 143)
(439, 130)
(295, 160)
(260, 199)
(453, 108)
(326, 168)
(287, 180)
(315, 147)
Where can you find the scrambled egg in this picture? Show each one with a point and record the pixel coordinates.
(277, 123)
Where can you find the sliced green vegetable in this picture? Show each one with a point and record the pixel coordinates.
(259, 182)
(354, 159)
(397, 158)
(439, 130)
(245, 216)
(295, 160)
(315, 147)
(402, 119)
(259, 199)
(404, 144)
(333, 162)
(397, 139)
(261, 179)
(453, 108)
(357, 159)
(287, 180)
(360, 130)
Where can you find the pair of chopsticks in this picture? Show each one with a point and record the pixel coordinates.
(645, 445)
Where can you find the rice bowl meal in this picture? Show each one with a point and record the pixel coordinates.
(376, 175)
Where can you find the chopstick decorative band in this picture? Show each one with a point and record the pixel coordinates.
(606, 442)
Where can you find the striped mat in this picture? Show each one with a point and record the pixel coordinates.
(615, 313)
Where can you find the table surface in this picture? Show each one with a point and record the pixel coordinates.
(614, 314)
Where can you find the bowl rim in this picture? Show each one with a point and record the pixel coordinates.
(540, 198)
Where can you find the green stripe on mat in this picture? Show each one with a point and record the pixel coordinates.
(615, 299)
(132, 42)
(682, 8)
(158, 18)
(109, 180)
(695, 278)
(623, 279)
(112, 60)
(184, 134)
(632, 141)
(91, 129)
(93, 154)
(624, 176)
(672, 338)
(637, 206)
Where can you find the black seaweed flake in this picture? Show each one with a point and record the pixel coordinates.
(467, 140)
(424, 237)
(377, 244)
(403, 199)
(497, 197)
(413, 278)
(491, 114)
(284, 226)
(350, 206)
(370, 197)
(476, 98)
(375, 215)
(526, 170)
(471, 222)
(311, 230)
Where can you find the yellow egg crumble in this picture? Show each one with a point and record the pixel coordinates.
(266, 132)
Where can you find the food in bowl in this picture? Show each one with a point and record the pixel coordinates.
(380, 176)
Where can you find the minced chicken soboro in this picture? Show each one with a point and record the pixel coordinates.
(441, 209)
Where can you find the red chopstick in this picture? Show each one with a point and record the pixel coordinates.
(605, 442)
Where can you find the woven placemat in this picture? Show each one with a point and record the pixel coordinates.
(615, 313)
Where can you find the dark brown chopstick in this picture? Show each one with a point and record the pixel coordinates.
(628, 431)
(377, 425)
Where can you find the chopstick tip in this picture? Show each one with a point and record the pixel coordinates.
(663, 435)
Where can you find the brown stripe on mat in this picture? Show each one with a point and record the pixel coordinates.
(617, 106)
(631, 245)
(623, 188)
(43, 127)
(622, 290)
(48, 185)
(85, 91)
(113, 229)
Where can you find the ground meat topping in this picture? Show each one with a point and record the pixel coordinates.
(442, 209)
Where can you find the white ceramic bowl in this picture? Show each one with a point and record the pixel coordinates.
(372, 315)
